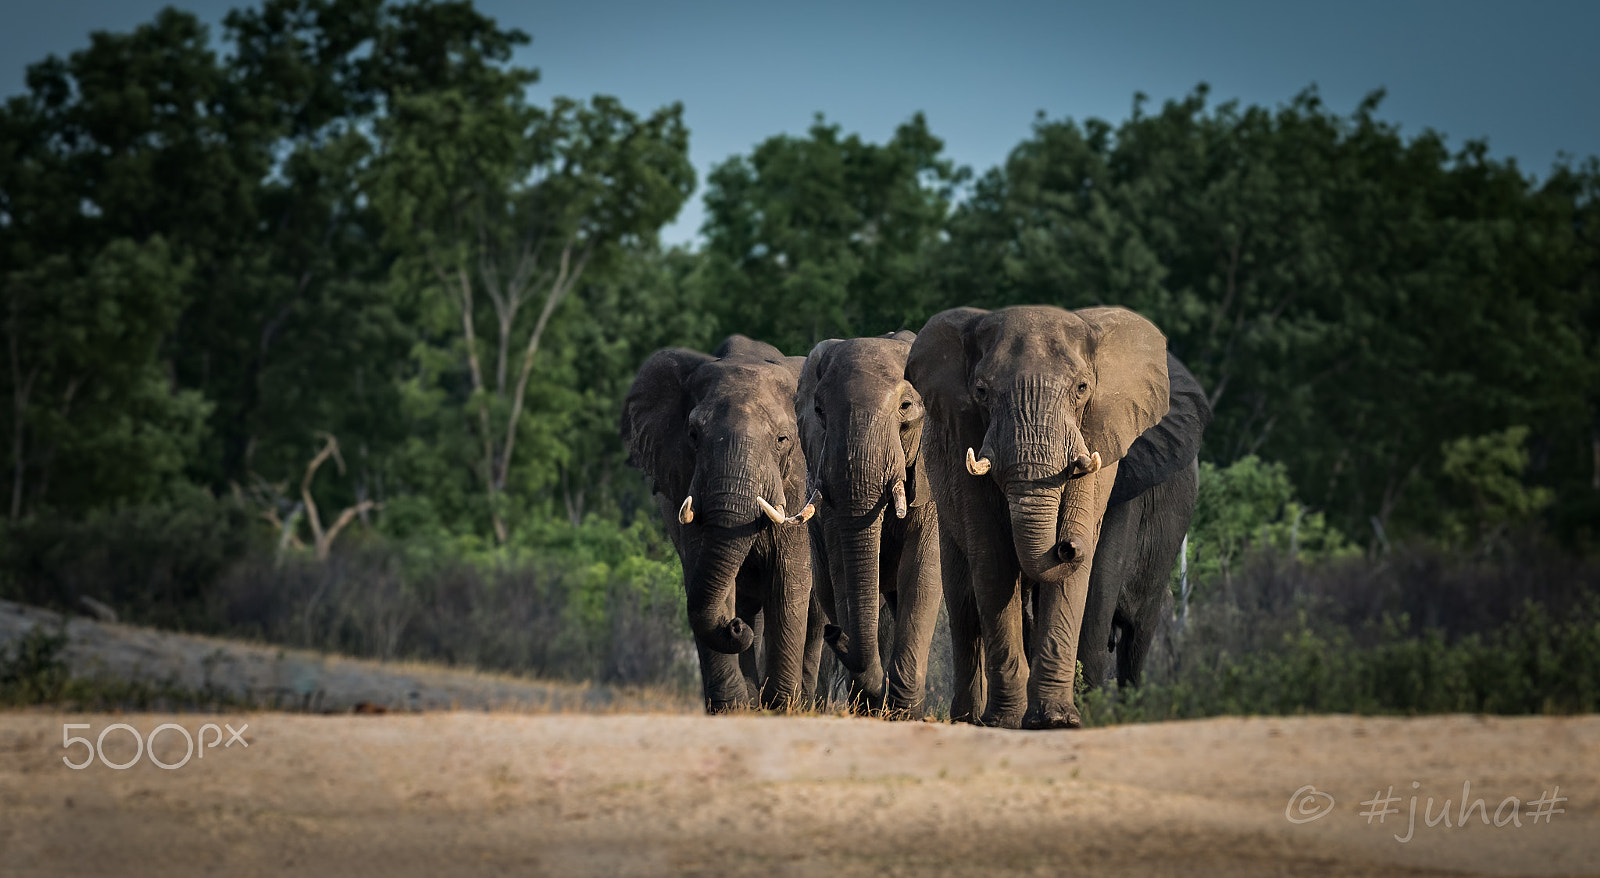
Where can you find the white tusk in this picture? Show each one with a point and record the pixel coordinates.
(686, 511)
(1093, 464)
(900, 498)
(776, 515)
(805, 513)
(976, 466)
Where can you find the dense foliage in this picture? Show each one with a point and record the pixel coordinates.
(344, 275)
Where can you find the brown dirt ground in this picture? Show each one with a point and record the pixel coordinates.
(449, 793)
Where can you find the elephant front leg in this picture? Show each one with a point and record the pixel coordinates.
(1061, 606)
(968, 692)
(749, 609)
(723, 681)
(917, 586)
(787, 608)
(811, 665)
(819, 616)
(1118, 559)
(998, 592)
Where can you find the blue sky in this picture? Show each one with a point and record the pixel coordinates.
(1525, 76)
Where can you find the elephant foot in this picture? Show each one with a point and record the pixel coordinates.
(1063, 716)
(902, 711)
(863, 704)
(1006, 720)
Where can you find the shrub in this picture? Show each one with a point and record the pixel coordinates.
(1419, 631)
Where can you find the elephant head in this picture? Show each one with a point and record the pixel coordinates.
(717, 437)
(1041, 397)
(861, 430)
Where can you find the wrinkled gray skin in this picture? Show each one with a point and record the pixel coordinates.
(861, 429)
(721, 429)
(1035, 391)
(1146, 517)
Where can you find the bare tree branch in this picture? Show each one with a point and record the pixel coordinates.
(565, 281)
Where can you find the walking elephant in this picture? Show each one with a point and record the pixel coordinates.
(875, 537)
(1030, 411)
(717, 437)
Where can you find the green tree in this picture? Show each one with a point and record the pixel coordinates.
(1251, 504)
(1350, 298)
(1489, 470)
(826, 235)
(94, 420)
(492, 197)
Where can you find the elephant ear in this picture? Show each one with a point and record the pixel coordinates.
(917, 491)
(1129, 355)
(1170, 445)
(655, 420)
(940, 368)
(812, 435)
(737, 345)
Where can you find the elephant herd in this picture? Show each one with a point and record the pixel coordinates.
(1035, 468)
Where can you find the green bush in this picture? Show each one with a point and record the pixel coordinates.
(153, 563)
(33, 671)
(1248, 506)
(1421, 631)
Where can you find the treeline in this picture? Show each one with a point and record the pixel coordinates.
(344, 271)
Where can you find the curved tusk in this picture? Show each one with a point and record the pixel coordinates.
(975, 465)
(686, 511)
(1088, 464)
(900, 498)
(775, 514)
(805, 513)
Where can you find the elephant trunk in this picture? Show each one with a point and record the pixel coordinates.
(864, 456)
(1035, 520)
(857, 644)
(710, 592)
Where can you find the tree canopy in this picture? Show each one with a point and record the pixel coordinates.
(365, 220)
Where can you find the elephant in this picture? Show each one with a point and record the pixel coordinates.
(1147, 515)
(876, 533)
(1030, 410)
(717, 438)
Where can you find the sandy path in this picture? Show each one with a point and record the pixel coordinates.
(650, 794)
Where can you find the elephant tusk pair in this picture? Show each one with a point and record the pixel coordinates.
(686, 512)
(976, 465)
(899, 498)
(1082, 465)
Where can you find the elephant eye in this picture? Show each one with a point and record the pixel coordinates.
(905, 405)
(782, 439)
(1083, 387)
(694, 435)
(980, 391)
